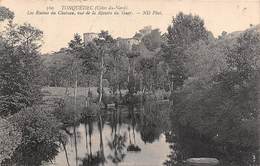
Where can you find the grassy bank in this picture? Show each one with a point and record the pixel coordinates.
(81, 91)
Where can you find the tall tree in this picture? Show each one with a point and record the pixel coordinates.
(116, 68)
(94, 57)
(20, 67)
(185, 30)
(104, 42)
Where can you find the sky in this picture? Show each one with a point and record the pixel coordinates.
(218, 15)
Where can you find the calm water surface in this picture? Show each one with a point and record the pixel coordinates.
(127, 137)
(154, 153)
(143, 136)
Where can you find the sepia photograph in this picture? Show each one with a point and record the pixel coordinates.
(129, 82)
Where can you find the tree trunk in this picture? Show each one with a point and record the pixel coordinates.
(120, 93)
(101, 79)
(87, 96)
(133, 73)
(144, 94)
(101, 138)
(75, 92)
(75, 107)
(66, 90)
(141, 89)
(86, 135)
(117, 87)
(128, 70)
(171, 87)
(90, 140)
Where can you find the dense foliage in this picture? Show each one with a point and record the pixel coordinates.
(10, 138)
(220, 105)
(25, 127)
(20, 67)
(213, 84)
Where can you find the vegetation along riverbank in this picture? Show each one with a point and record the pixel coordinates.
(103, 100)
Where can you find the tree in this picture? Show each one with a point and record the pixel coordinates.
(185, 30)
(205, 60)
(103, 42)
(243, 58)
(223, 106)
(90, 65)
(94, 57)
(146, 69)
(59, 69)
(132, 55)
(116, 68)
(19, 68)
(5, 13)
(147, 64)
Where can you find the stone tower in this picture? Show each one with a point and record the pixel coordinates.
(89, 37)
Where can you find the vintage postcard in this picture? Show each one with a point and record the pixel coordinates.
(129, 82)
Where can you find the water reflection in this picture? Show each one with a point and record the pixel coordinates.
(132, 147)
(117, 143)
(116, 138)
(144, 135)
(154, 120)
(98, 157)
(187, 143)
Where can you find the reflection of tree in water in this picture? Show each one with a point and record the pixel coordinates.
(133, 121)
(98, 157)
(187, 143)
(75, 136)
(154, 121)
(101, 145)
(93, 160)
(117, 144)
(75, 144)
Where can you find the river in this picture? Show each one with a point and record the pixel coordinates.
(140, 136)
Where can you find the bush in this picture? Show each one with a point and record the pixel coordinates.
(41, 134)
(37, 125)
(10, 138)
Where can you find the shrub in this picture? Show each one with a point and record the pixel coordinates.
(10, 138)
(41, 133)
(37, 125)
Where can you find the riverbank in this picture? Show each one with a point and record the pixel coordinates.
(82, 92)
